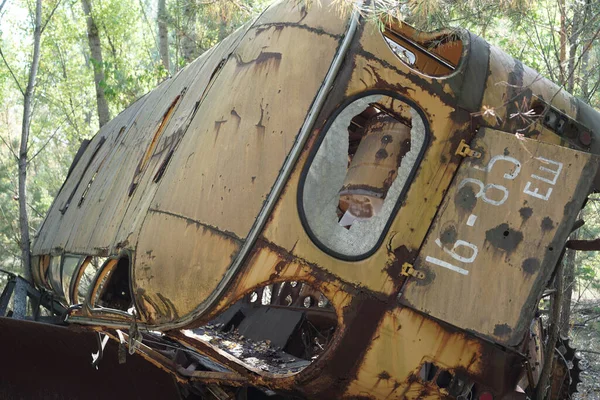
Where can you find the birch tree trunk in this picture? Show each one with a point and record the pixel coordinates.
(24, 146)
(573, 45)
(562, 56)
(163, 34)
(96, 51)
(585, 74)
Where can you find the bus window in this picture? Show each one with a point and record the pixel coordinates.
(433, 54)
(359, 173)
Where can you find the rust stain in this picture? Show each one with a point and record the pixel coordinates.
(531, 265)
(504, 237)
(547, 224)
(465, 199)
(525, 213)
(264, 58)
(218, 125)
(260, 128)
(393, 269)
(279, 26)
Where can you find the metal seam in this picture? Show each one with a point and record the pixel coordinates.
(276, 190)
(281, 179)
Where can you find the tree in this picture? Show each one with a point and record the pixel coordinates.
(163, 34)
(96, 60)
(22, 157)
(62, 108)
(189, 34)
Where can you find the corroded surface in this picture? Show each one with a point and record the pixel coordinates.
(510, 213)
(181, 197)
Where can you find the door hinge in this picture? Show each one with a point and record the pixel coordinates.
(465, 150)
(409, 270)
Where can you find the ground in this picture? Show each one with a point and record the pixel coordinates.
(585, 334)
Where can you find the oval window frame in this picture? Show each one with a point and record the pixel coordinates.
(313, 152)
(93, 295)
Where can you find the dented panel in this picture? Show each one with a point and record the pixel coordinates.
(499, 233)
(227, 162)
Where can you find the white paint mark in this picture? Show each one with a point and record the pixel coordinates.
(444, 264)
(512, 175)
(536, 192)
(456, 256)
(554, 172)
(483, 190)
(471, 220)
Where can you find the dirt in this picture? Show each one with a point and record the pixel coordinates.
(257, 354)
(585, 334)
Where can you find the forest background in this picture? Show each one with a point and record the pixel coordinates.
(68, 66)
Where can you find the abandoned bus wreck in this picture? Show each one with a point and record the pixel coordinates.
(319, 208)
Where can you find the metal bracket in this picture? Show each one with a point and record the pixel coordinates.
(409, 270)
(464, 150)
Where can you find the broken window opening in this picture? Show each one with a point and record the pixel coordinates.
(403, 53)
(154, 142)
(112, 288)
(360, 171)
(433, 54)
(69, 268)
(87, 166)
(55, 275)
(268, 333)
(444, 379)
(428, 372)
(42, 264)
(85, 277)
(163, 167)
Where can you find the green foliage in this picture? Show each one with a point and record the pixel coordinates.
(587, 264)
(65, 99)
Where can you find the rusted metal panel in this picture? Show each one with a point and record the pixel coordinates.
(304, 16)
(388, 370)
(223, 160)
(499, 233)
(237, 126)
(233, 180)
(110, 199)
(162, 283)
(128, 205)
(104, 184)
(93, 225)
(374, 67)
(57, 226)
(510, 81)
(192, 84)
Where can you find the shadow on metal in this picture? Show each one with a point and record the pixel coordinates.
(42, 361)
